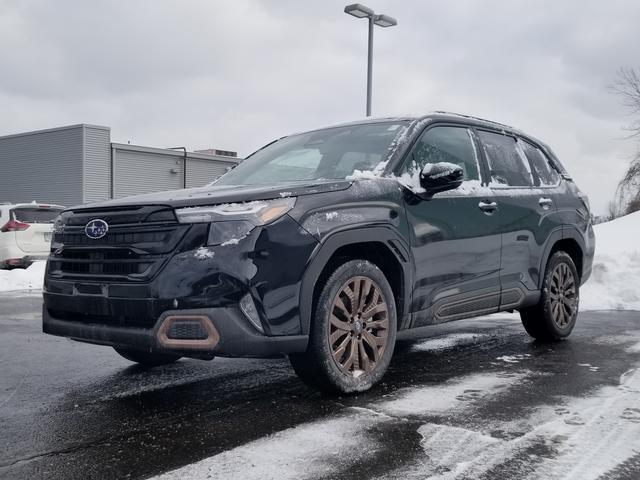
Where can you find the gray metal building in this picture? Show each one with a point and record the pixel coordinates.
(79, 164)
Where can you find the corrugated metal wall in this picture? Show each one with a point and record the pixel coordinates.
(72, 165)
(145, 170)
(202, 170)
(141, 170)
(97, 163)
(45, 166)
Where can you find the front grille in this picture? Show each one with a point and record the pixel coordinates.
(115, 238)
(136, 245)
(102, 262)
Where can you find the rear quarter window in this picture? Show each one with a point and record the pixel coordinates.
(547, 175)
(35, 215)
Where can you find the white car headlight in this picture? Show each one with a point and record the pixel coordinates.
(259, 212)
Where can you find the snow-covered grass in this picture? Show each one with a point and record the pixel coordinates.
(615, 281)
(20, 279)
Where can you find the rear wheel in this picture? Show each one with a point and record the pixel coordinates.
(554, 317)
(353, 331)
(147, 359)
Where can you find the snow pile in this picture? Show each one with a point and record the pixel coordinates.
(615, 279)
(20, 279)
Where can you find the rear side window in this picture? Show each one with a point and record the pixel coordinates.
(445, 144)
(506, 165)
(35, 215)
(547, 175)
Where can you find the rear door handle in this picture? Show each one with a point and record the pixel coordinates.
(545, 202)
(488, 207)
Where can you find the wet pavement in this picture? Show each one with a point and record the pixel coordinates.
(469, 399)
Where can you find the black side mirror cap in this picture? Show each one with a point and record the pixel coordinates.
(440, 177)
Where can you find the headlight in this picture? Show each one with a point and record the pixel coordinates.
(257, 213)
(231, 222)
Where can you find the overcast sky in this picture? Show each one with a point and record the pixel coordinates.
(236, 74)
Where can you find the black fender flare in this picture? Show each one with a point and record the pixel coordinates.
(387, 236)
(564, 232)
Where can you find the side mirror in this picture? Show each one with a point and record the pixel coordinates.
(440, 177)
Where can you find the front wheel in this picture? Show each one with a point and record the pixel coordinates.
(554, 317)
(352, 333)
(147, 359)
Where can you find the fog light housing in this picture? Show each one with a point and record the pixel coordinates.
(187, 330)
(248, 308)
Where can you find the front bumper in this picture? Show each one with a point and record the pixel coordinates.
(237, 338)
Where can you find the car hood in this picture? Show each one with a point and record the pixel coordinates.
(216, 194)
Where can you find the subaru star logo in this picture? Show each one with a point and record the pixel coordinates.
(96, 229)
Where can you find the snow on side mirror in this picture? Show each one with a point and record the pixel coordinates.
(439, 177)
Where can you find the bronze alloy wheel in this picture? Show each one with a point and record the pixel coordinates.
(563, 295)
(358, 326)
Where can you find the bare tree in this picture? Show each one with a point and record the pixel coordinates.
(627, 86)
(613, 209)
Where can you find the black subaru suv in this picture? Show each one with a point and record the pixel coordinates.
(323, 245)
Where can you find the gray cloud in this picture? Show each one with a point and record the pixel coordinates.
(238, 74)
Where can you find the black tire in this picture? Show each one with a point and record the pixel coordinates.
(554, 317)
(147, 359)
(320, 366)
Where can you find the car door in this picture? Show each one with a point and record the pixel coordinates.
(527, 215)
(455, 239)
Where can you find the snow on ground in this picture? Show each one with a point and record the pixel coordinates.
(21, 279)
(582, 439)
(447, 341)
(294, 453)
(615, 280)
(323, 447)
(432, 400)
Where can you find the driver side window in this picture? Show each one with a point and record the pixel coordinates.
(445, 144)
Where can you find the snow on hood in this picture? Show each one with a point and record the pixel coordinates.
(215, 194)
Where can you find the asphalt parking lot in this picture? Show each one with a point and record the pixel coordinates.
(469, 399)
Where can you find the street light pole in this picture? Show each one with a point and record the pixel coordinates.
(370, 66)
(360, 11)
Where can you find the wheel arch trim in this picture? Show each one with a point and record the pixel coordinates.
(386, 236)
(566, 232)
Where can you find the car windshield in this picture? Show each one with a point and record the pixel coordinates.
(333, 153)
(35, 214)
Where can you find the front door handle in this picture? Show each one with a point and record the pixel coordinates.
(488, 207)
(545, 203)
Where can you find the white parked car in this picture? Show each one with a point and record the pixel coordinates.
(25, 233)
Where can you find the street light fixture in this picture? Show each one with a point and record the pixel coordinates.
(360, 11)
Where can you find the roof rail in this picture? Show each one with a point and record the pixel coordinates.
(476, 118)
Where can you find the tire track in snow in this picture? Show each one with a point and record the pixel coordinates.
(332, 446)
(583, 440)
